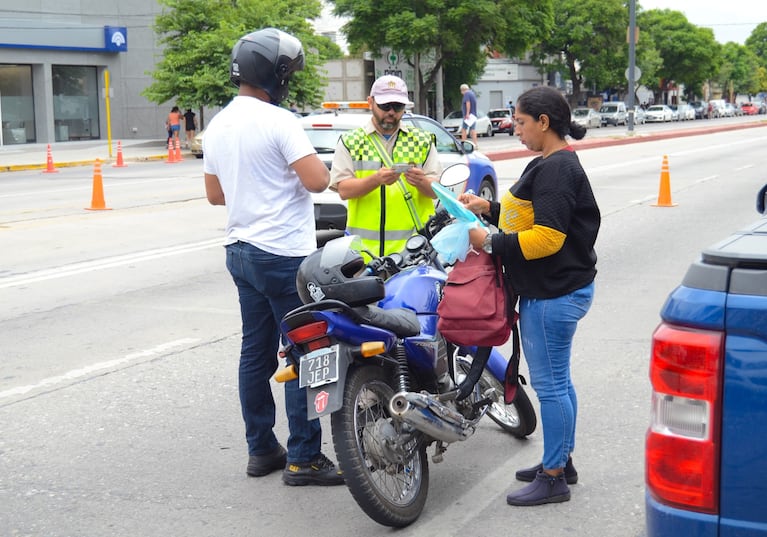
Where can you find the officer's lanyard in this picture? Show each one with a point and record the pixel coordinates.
(387, 160)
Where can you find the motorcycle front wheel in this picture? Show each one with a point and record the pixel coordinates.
(518, 418)
(388, 477)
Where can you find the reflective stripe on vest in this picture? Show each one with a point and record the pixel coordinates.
(385, 227)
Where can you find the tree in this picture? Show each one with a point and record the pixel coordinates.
(198, 36)
(690, 53)
(458, 33)
(757, 43)
(588, 42)
(739, 71)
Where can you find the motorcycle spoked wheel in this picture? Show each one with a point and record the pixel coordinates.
(518, 418)
(391, 493)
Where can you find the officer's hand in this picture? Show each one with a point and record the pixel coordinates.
(416, 177)
(387, 176)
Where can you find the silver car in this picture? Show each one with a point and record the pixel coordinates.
(588, 117)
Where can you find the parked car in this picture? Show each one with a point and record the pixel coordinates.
(706, 446)
(501, 120)
(588, 117)
(717, 107)
(701, 109)
(325, 129)
(686, 112)
(749, 109)
(454, 119)
(640, 116)
(613, 113)
(658, 113)
(674, 112)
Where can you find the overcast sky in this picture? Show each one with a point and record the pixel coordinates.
(730, 22)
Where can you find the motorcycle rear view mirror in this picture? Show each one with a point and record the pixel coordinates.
(761, 200)
(454, 177)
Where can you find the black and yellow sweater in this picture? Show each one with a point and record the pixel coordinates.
(549, 222)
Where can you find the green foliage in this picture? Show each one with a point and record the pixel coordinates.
(740, 69)
(587, 43)
(757, 43)
(198, 36)
(691, 55)
(460, 33)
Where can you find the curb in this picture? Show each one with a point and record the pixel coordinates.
(73, 163)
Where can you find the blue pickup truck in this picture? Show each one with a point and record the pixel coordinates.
(706, 447)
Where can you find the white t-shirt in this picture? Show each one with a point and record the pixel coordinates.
(249, 146)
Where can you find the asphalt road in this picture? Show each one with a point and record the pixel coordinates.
(119, 337)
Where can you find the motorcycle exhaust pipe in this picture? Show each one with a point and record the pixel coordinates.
(430, 416)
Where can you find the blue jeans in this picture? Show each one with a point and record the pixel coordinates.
(266, 284)
(547, 327)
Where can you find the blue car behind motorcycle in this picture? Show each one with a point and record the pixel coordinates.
(365, 345)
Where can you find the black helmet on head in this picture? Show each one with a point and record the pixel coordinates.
(266, 59)
(336, 272)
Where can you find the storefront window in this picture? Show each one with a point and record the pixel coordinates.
(75, 102)
(17, 110)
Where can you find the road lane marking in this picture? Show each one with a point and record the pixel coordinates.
(100, 264)
(74, 374)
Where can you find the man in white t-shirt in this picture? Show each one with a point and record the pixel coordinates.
(262, 166)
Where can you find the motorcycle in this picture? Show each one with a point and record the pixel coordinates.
(365, 345)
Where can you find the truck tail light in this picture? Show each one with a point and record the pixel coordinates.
(682, 445)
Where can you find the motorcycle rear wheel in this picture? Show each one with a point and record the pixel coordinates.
(392, 496)
(518, 418)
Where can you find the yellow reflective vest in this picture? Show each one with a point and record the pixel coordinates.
(382, 217)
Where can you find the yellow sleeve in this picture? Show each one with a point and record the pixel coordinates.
(540, 241)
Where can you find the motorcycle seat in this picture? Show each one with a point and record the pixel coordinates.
(402, 321)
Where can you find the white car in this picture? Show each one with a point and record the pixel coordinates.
(658, 113)
(588, 117)
(452, 124)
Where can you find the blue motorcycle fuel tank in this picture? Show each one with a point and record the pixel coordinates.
(419, 289)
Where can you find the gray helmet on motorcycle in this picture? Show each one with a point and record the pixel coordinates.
(336, 272)
(267, 59)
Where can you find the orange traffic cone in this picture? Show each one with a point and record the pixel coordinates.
(97, 199)
(664, 193)
(179, 158)
(120, 163)
(171, 153)
(49, 167)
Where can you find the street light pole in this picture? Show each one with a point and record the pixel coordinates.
(632, 62)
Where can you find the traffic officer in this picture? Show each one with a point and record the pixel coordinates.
(385, 170)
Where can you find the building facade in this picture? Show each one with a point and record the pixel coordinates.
(57, 58)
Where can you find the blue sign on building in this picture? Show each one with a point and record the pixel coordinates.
(116, 38)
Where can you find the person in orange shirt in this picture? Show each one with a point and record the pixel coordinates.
(174, 122)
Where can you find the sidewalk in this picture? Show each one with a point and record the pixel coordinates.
(65, 154)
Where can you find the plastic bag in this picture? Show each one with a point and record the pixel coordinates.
(452, 241)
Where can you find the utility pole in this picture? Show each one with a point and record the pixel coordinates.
(632, 62)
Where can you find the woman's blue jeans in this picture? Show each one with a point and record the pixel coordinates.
(266, 284)
(547, 327)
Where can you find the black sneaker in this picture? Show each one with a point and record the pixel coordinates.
(544, 489)
(321, 471)
(528, 474)
(261, 465)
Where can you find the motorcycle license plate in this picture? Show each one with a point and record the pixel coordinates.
(319, 367)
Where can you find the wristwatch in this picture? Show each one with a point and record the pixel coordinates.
(487, 244)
